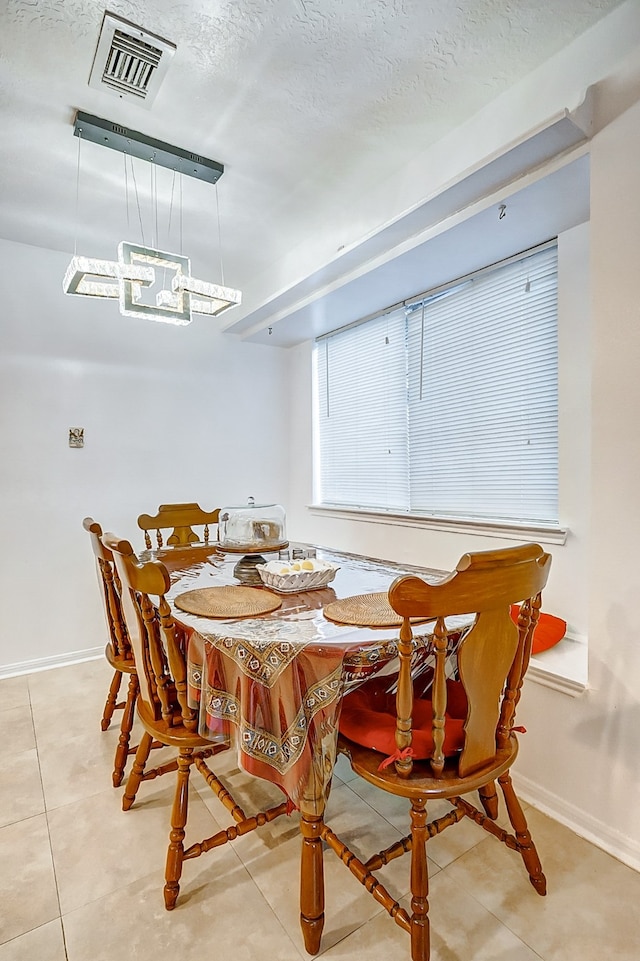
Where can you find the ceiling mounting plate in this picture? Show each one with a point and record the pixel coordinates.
(139, 145)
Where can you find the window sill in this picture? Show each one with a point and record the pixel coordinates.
(542, 535)
(563, 667)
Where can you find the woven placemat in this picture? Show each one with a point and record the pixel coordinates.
(366, 610)
(227, 601)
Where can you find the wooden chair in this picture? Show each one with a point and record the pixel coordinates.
(460, 741)
(181, 518)
(118, 650)
(163, 709)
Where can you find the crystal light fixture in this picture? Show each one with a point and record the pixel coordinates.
(137, 268)
(76, 279)
(209, 298)
(147, 283)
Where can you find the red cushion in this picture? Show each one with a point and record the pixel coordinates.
(549, 630)
(369, 718)
(457, 703)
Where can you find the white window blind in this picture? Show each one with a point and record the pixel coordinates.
(459, 418)
(362, 412)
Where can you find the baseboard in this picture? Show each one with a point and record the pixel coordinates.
(46, 663)
(620, 846)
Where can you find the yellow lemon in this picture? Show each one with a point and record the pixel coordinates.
(307, 565)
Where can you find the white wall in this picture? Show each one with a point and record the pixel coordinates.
(579, 760)
(170, 414)
(582, 761)
(581, 757)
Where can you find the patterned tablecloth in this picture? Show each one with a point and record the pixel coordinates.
(275, 682)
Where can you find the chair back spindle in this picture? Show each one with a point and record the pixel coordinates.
(404, 699)
(527, 619)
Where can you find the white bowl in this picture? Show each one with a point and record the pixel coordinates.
(294, 581)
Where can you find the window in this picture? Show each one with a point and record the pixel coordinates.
(448, 406)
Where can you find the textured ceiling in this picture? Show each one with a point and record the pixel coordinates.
(302, 100)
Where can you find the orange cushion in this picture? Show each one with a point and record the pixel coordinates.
(369, 718)
(549, 630)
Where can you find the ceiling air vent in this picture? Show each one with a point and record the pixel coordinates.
(129, 61)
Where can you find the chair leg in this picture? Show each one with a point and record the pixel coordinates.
(122, 750)
(526, 846)
(489, 798)
(112, 700)
(137, 771)
(175, 854)
(420, 940)
(311, 882)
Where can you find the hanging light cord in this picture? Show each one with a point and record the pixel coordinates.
(154, 197)
(219, 237)
(421, 350)
(135, 185)
(181, 213)
(326, 367)
(75, 239)
(173, 184)
(126, 189)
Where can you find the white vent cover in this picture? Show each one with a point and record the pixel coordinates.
(129, 61)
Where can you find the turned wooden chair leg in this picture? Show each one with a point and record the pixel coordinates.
(420, 940)
(489, 799)
(122, 750)
(137, 771)
(525, 844)
(179, 813)
(112, 700)
(311, 882)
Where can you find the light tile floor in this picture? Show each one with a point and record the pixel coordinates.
(82, 881)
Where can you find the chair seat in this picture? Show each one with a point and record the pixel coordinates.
(175, 735)
(368, 724)
(126, 665)
(421, 782)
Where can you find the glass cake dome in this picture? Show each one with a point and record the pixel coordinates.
(252, 528)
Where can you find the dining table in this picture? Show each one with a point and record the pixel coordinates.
(272, 684)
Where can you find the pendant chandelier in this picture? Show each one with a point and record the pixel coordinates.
(138, 266)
